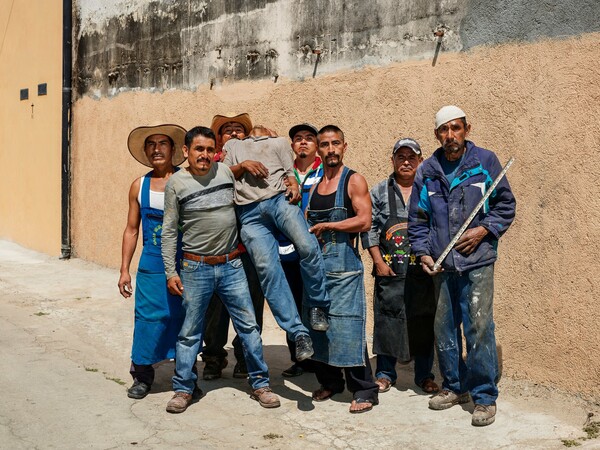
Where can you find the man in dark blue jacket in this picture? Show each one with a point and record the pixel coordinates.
(447, 188)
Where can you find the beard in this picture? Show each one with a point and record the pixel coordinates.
(303, 155)
(333, 161)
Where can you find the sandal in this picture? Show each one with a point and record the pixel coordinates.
(384, 384)
(429, 386)
(362, 401)
(322, 394)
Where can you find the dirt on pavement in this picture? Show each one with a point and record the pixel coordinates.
(65, 337)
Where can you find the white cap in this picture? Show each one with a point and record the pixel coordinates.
(448, 113)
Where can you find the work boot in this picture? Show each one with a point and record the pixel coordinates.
(179, 402)
(483, 415)
(138, 390)
(304, 349)
(447, 399)
(240, 370)
(318, 319)
(213, 366)
(265, 397)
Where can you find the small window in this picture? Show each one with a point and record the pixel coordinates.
(42, 89)
(24, 94)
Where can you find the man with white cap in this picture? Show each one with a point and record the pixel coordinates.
(447, 188)
(403, 300)
(158, 314)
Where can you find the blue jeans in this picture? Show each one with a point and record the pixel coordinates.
(467, 298)
(386, 368)
(228, 280)
(259, 222)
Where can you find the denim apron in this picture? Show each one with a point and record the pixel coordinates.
(343, 344)
(390, 330)
(158, 314)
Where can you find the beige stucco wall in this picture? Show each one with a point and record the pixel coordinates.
(30, 156)
(538, 102)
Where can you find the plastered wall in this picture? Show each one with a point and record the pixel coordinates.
(536, 101)
(30, 130)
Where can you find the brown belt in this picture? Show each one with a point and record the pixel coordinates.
(213, 260)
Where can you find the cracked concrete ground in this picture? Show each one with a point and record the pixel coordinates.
(64, 358)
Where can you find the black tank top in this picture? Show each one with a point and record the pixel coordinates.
(321, 202)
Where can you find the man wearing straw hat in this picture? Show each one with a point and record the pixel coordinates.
(158, 314)
(448, 186)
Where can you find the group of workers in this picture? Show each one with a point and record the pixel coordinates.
(248, 219)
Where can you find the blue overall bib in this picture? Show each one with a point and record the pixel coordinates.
(158, 314)
(344, 343)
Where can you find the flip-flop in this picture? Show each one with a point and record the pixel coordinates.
(362, 401)
(429, 386)
(387, 384)
(316, 395)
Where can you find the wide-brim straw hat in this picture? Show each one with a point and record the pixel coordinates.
(221, 119)
(137, 139)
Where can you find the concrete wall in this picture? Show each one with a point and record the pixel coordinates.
(527, 75)
(30, 54)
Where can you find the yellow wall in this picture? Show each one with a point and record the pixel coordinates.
(30, 151)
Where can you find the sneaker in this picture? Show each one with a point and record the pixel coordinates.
(265, 397)
(213, 366)
(138, 390)
(304, 349)
(179, 402)
(483, 415)
(294, 371)
(447, 399)
(240, 370)
(318, 319)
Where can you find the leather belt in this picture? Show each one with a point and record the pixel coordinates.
(213, 259)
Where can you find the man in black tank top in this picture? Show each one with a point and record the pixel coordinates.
(339, 209)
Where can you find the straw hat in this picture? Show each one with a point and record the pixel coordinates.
(220, 120)
(137, 138)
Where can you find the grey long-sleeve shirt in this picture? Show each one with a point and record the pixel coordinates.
(203, 207)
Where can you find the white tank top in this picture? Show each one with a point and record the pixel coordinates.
(157, 199)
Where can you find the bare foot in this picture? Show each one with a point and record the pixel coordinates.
(322, 394)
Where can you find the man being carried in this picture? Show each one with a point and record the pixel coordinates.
(339, 209)
(262, 166)
(200, 199)
(447, 188)
(214, 355)
(403, 300)
(158, 315)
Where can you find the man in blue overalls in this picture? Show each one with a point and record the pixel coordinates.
(158, 314)
(339, 208)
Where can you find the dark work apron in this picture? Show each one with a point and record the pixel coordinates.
(158, 314)
(390, 331)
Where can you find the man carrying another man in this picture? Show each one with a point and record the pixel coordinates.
(200, 199)
(447, 188)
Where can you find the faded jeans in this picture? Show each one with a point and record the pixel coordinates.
(467, 298)
(259, 222)
(228, 281)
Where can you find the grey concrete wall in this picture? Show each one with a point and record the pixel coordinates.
(159, 45)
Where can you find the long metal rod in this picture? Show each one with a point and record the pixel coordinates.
(475, 211)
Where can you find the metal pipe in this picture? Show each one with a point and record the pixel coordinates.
(67, 65)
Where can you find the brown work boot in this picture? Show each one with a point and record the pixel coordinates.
(266, 397)
(483, 415)
(447, 399)
(179, 402)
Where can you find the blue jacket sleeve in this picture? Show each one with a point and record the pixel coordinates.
(502, 202)
(418, 216)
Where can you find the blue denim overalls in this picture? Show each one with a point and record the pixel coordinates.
(343, 345)
(158, 314)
